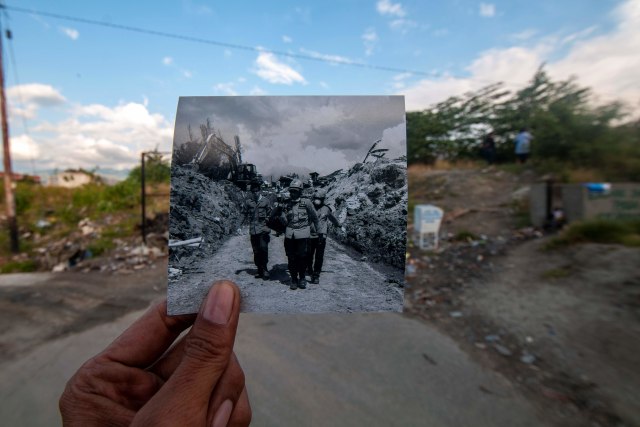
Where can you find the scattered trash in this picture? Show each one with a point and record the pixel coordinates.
(58, 268)
(492, 338)
(43, 223)
(455, 314)
(527, 358)
(502, 350)
(195, 242)
(87, 227)
(481, 345)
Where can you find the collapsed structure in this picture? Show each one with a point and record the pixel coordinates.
(371, 201)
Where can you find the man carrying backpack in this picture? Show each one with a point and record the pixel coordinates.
(259, 207)
(318, 240)
(300, 215)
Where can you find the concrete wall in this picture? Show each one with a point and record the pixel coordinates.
(578, 203)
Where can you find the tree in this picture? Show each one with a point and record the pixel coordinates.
(567, 128)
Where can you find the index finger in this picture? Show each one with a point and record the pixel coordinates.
(148, 337)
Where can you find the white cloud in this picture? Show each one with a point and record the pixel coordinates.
(337, 59)
(524, 34)
(287, 39)
(370, 39)
(95, 135)
(579, 35)
(24, 148)
(385, 7)
(72, 33)
(225, 88)
(257, 91)
(276, 72)
(402, 25)
(514, 66)
(41, 94)
(196, 9)
(169, 62)
(402, 76)
(608, 63)
(487, 10)
(25, 100)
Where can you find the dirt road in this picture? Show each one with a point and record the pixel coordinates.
(347, 284)
(375, 369)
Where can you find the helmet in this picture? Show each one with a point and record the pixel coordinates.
(321, 193)
(296, 184)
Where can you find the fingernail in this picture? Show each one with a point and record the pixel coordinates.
(221, 418)
(219, 304)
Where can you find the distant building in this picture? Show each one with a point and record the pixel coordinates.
(72, 178)
(18, 177)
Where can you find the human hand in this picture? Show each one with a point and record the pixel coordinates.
(136, 381)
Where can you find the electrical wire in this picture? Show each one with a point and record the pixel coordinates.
(215, 42)
(21, 103)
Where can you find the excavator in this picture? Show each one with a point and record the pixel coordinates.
(241, 174)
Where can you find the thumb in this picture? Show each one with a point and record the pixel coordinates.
(208, 347)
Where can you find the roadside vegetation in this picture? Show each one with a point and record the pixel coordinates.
(49, 214)
(573, 139)
(623, 232)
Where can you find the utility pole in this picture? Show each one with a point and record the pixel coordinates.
(8, 173)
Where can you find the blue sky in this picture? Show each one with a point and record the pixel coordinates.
(90, 95)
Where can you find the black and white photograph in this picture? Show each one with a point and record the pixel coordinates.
(299, 200)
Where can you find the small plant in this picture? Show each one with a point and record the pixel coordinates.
(25, 266)
(465, 236)
(623, 232)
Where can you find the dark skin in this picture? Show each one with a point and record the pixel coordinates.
(139, 379)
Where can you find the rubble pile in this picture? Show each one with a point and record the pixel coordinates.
(370, 200)
(200, 208)
(82, 249)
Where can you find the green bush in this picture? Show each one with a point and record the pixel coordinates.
(19, 267)
(624, 232)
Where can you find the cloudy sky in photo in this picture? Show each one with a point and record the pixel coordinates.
(91, 94)
(299, 134)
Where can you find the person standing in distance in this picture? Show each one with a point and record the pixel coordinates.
(259, 207)
(317, 243)
(523, 145)
(300, 215)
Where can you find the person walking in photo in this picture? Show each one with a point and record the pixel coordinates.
(489, 149)
(523, 145)
(258, 207)
(300, 215)
(318, 240)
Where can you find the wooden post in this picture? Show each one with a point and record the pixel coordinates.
(143, 196)
(12, 222)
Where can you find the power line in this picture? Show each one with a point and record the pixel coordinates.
(317, 58)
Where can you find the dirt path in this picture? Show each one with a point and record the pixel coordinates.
(347, 283)
(562, 324)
